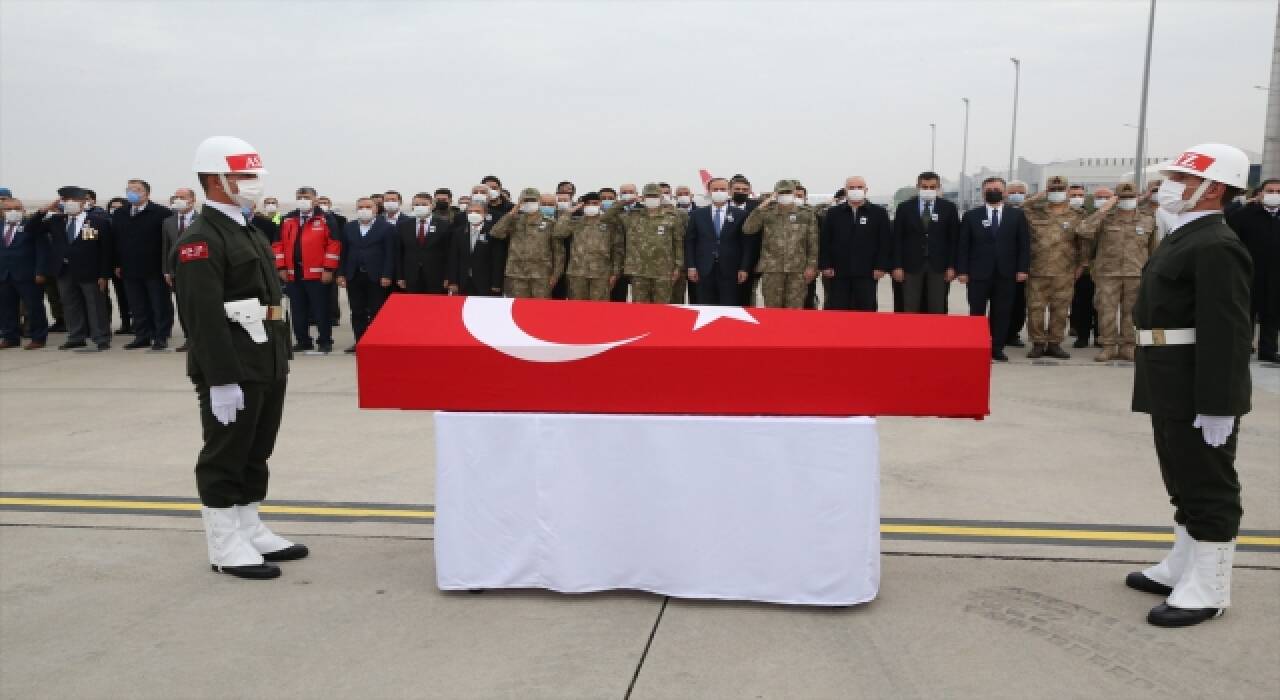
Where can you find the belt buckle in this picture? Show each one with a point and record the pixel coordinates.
(1157, 336)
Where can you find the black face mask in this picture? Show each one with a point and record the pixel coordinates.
(441, 205)
(740, 197)
(993, 196)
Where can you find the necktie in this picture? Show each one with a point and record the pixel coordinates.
(71, 229)
(475, 236)
(8, 234)
(719, 213)
(182, 223)
(995, 221)
(422, 232)
(927, 215)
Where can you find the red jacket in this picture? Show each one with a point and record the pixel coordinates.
(321, 251)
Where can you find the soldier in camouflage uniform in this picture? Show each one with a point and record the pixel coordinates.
(789, 248)
(681, 285)
(534, 260)
(1119, 238)
(653, 238)
(1055, 267)
(595, 253)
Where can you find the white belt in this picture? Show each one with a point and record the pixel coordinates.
(1167, 336)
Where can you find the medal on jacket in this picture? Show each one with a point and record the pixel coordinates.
(1139, 231)
(662, 230)
(89, 233)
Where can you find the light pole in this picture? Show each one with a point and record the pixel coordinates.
(964, 158)
(933, 145)
(1013, 132)
(1139, 161)
(1146, 134)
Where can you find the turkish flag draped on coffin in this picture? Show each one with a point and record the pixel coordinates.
(430, 352)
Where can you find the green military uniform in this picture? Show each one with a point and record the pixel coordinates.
(654, 248)
(218, 261)
(1198, 278)
(1055, 256)
(789, 248)
(595, 255)
(534, 258)
(1117, 245)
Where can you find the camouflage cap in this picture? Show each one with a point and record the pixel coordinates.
(1126, 189)
(785, 186)
(651, 189)
(530, 193)
(1057, 181)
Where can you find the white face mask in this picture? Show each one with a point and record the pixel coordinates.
(180, 204)
(1127, 204)
(858, 194)
(494, 194)
(480, 197)
(928, 195)
(248, 191)
(684, 200)
(71, 208)
(1100, 202)
(562, 205)
(652, 202)
(305, 205)
(719, 197)
(1169, 196)
(421, 211)
(1017, 198)
(475, 217)
(1271, 200)
(271, 208)
(785, 199)
(591, 210)
(628, 196)
(1057, 197)
(364, 214)
(1076, 202)
(528, 207)
(12, 216)
(391, 205)
(325, 208)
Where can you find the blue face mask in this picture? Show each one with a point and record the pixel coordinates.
(248, 213)
(547, 212)
(607, 204)
(133, 197)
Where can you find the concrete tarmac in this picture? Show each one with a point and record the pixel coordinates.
(123, 605)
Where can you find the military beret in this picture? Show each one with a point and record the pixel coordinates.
(785, 186)
(1057, 181)
(72, 192)
(1126, 189)
(529, 193)
(651, 189)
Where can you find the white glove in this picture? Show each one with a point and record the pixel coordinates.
(224, 401)
(1216, 429)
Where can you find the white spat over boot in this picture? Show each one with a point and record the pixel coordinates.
(1203, 592)
(229, 551)
(271, 546)
(1161, 577)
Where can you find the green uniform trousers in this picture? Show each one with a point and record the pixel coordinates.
(232, 467)
(1201, 480)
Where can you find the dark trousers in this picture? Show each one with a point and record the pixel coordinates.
(232, 467)
(365, 295)
(620, 290)
(417, 282)
(1201, 480)
(811, 295)
(122, 301)
(717, 288)
(335, 307)
(28, 294)
(1084, 317)
(924, 292)
(152, 308)
(85, 307)
(309, 306)
(468, 288)
(1268, 333)
(850, 294)
(1017, 311)
(899, 298)
(998, 293)
(52, 293)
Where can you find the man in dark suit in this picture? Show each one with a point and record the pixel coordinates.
(993, 254)
(80, 255)
(474, 268)
(137, 229)
(1258, 225)
(714, 249)
(183, 206)
(422, 247)
(925, 232)
(741, 199)
(854, 250)
(368, 265)
(24, 265)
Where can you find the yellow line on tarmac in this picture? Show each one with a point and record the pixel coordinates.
(339, 511)
(1048, 534)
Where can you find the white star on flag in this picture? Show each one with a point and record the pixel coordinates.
(709, 314)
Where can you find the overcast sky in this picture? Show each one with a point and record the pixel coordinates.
(358, 97)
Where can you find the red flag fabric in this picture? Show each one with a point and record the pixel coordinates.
(430, 352)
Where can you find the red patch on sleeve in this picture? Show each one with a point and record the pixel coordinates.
(193, 251)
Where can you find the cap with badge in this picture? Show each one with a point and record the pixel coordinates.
(651, 189)
(1126, 189)
(72, 192)
(530, 193)
(1056, 181)
(785, 186)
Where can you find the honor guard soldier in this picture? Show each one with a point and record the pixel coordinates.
(1192, 377)
(653, 239)
(788, 247)
(238, 358)
(1118, 240)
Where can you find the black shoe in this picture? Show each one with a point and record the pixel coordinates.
(1165, 615)
(100, 347)
(126, 329)
(160, 345)
(1036, 351)
(1016, 343)
(58, 327)
(325, 348)
(299, 347)
(297, 551)
(1139, 582)
(1080, 343)
(72, 345)
(999, 356)
(1273, 358)
(257, 571)
(351, 350)
(1055, 350)
(138, 343)
(182, 348)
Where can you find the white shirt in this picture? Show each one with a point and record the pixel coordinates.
(184, 220)
(364, 229)
(475, 234)
(232, 211)
(79, 222)
(996, 208)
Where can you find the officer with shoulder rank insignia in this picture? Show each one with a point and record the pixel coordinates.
(788, 247)
(1192, 376)
(238, 359)
(1055, 267)
(534, 259)
(595, 253)
(1118, 239)
(653, 239)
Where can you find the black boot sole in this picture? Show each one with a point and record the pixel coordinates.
(297, 551)
(1165, 615)
(1139, 582)
(258, 571)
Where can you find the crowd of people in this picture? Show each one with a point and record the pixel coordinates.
(1064, 257)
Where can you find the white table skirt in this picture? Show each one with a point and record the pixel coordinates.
(782, 510)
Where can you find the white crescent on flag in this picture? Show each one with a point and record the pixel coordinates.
(489, 320)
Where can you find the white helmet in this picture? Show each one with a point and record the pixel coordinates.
(1212, 161)
(227, 154)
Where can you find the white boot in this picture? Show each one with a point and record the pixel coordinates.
(263, 540)
(1169, 571)
(1206, 583)
(227, 547)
